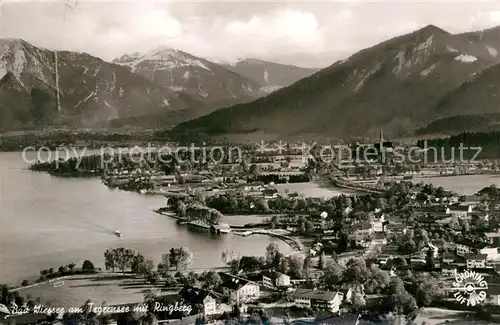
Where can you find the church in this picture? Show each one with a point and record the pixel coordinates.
(383, 145)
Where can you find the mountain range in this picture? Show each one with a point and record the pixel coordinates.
(152, 90)
(426, 82)
(409, 84)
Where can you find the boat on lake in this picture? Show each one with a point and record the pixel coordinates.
(118, 233)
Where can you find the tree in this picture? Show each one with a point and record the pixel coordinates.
(421, 238)
(173, 256)
(284, 265)
(427, 290)
(227, 256)
(401, 301)
(321, 261)
(358, 301)
(262, 205)
(407, 245)
(149, 318)
(272, 254)
(306, 266)
(152, 277)
(211, 280)
(379, 280)
(149, 296)
(332, 274)
(245, 165)
(429, 260)
(234, 266)
(181, 208)
(124, 258)
(88, 267)
(199, 197)
(356, 271)
(140, 265)
(110, 260)
(254, 169)
(343, 242)
(184, 257)
(274, 222)
(137, 263)
(464, 223)
(296, 263)
(164, 265)
(381, 204)
(400, 263)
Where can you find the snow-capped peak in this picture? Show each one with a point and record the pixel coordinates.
(465, 58)
(13, 57)
(162, 58)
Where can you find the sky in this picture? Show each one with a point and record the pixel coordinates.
(306, 33)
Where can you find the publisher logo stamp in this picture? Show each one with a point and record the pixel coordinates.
(470, 288)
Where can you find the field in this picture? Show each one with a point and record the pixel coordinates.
(438, 316)
(114, 289)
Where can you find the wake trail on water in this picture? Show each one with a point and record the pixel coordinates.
(91, 226)
(100, 228)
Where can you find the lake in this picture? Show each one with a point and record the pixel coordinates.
(463, 184)
(47, 221)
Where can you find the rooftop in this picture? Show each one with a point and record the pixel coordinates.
(315, 294)
(233, 282)
(477, 257)
(361, 226)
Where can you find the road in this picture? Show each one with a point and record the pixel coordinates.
(373, 249)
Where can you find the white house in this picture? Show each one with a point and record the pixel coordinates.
(395, 228)
(323, 300)
(467, 247)
(275, 279)
(360, 232)
(460, 211)
(209, 305)
(448, 270)
(463, 250)
(240, 290)
(492, 236)
(492, 253)
(202, 297)
(476, 261)
(378, 223)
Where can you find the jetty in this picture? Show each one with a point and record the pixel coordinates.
(344, 183)
(237, 230)
(292, 242)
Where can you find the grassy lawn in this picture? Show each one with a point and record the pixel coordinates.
(438, 316)
(73, 291)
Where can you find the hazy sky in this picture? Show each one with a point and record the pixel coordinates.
(305, 33)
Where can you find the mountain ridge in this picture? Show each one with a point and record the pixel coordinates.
(271, 75)
(90, 89)
(395, 85)
(205, 81)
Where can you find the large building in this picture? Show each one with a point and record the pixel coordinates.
(239, 290)
(322, 300)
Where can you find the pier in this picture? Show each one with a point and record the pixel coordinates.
(294, 243)
(343, 183)
(237, 230)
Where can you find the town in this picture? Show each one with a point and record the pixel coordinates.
(384, 254)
